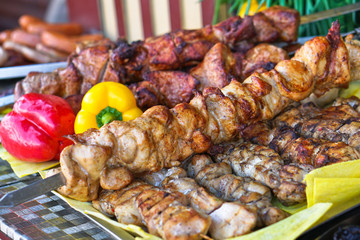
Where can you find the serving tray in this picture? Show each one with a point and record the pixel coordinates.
(22, 71)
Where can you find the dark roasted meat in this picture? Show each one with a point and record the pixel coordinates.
(164, 88)
(217, 69)
(285, 20)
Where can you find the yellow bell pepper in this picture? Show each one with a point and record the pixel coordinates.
(254, 5)
(103, 103)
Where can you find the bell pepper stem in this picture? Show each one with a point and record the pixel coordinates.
(108, 115)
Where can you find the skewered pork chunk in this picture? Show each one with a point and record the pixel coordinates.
(285, 20)
(335, 123)
(228, 219)
(165, 214)
(164, 137)
(262, 58)
(219, 180)
(164, 88)
(217, 69)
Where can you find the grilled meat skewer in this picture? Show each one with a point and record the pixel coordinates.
(228, 219)
(164, 137)
(266, 166)
(165, 214)
(219, 180)
(300, 150)
(334, 123)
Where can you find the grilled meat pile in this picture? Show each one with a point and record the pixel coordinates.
(164, 137)
(159, 68)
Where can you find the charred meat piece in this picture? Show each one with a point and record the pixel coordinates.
(335, 123)
(127, 63)
(217, 69)
(285, 20)
(228, 219)
(262, 58)
(265, 166)
(164, 87)
(264, 28)
(91, 63)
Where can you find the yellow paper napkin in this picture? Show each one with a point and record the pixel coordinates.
(337, 183)
(22, 168)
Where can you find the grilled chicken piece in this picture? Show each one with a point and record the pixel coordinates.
(219, 180)
(228, 219)
(335, 123)
(121, 203)
(164, 137)
(166, 215)
(353, 102)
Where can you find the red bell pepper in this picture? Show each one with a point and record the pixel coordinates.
(34, 130)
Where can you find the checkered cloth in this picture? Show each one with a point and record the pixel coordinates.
(45, 217)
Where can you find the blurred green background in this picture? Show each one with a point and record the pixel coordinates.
(348, 22)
